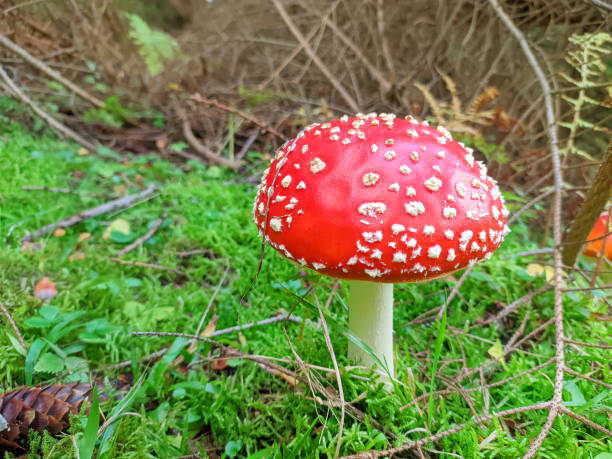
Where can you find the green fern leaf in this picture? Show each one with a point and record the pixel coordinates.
(153, 45)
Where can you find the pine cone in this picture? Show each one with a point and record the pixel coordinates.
(39, 408)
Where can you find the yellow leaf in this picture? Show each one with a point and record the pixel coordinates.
(535, 270)
(119, 226)
(497, 352)
(83, 236)
(206, 333)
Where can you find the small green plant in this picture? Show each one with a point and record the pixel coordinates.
(153, 45)
(586, 56)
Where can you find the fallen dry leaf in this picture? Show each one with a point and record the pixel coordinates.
(161, 143)
(120, 189)
(76, 256)
(82, 152)
(83, 236)
(31, 247)
(219, 364)
(206, 333)
(45, 289)
(59, 232)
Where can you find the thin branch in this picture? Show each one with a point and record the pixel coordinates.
(332, 354)
(48, 188)
(201, 148)
(143, 239)
(569, 371)
(433, 438)
(528, 205)
(318, 62)
(265, 127)
(120, 203)
(558, 186)
(21, 5)
(211, 302)
(515, 305)
(582, 343)
(56, 125)
(454, 291)
(584, 420)
(148, 265)
(12, 324)
(49, 71)
(376, 74)
(270, 320)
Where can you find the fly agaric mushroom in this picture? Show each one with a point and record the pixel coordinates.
(377, 199)
(599, 231)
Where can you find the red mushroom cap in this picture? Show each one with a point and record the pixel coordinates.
(374, 197)
(601, 228)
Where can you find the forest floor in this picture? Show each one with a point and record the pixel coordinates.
(246, 393)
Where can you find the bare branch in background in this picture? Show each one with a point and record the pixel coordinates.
(52, 122)
(318, 62)
(49, 71)
(557, 399)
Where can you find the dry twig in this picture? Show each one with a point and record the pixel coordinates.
(12, 324)
(318, 62)
(433, 438)
(55, 125)
(49, 71)
(332, 354)
(556, 401)
(107, 207)
(201, 148)
(143, 239)
(149, 265)
(265, 127)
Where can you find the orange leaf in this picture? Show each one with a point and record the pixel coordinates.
(219, 364)
(45, 289)
(59, 232)
(76, 256)
(83, 236)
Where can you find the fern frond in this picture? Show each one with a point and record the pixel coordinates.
(586, 57)
(153, 45)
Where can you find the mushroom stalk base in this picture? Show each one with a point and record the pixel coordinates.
(371, 319)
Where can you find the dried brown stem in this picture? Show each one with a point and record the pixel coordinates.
(49, 71)
(12, 324)
(558, 187)
(48, 188)
(317, 61)
(148, 265)
(52, 122)
(515, 305)
(584, 420)
(332, 354)
(433, 438)
(265, 127)
(107, 207)
(143, 239)
(569, 371)
(201, 148)
(582, 343)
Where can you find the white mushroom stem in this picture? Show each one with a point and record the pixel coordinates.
(371, 319)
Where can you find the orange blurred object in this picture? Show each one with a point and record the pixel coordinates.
(602, 227)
